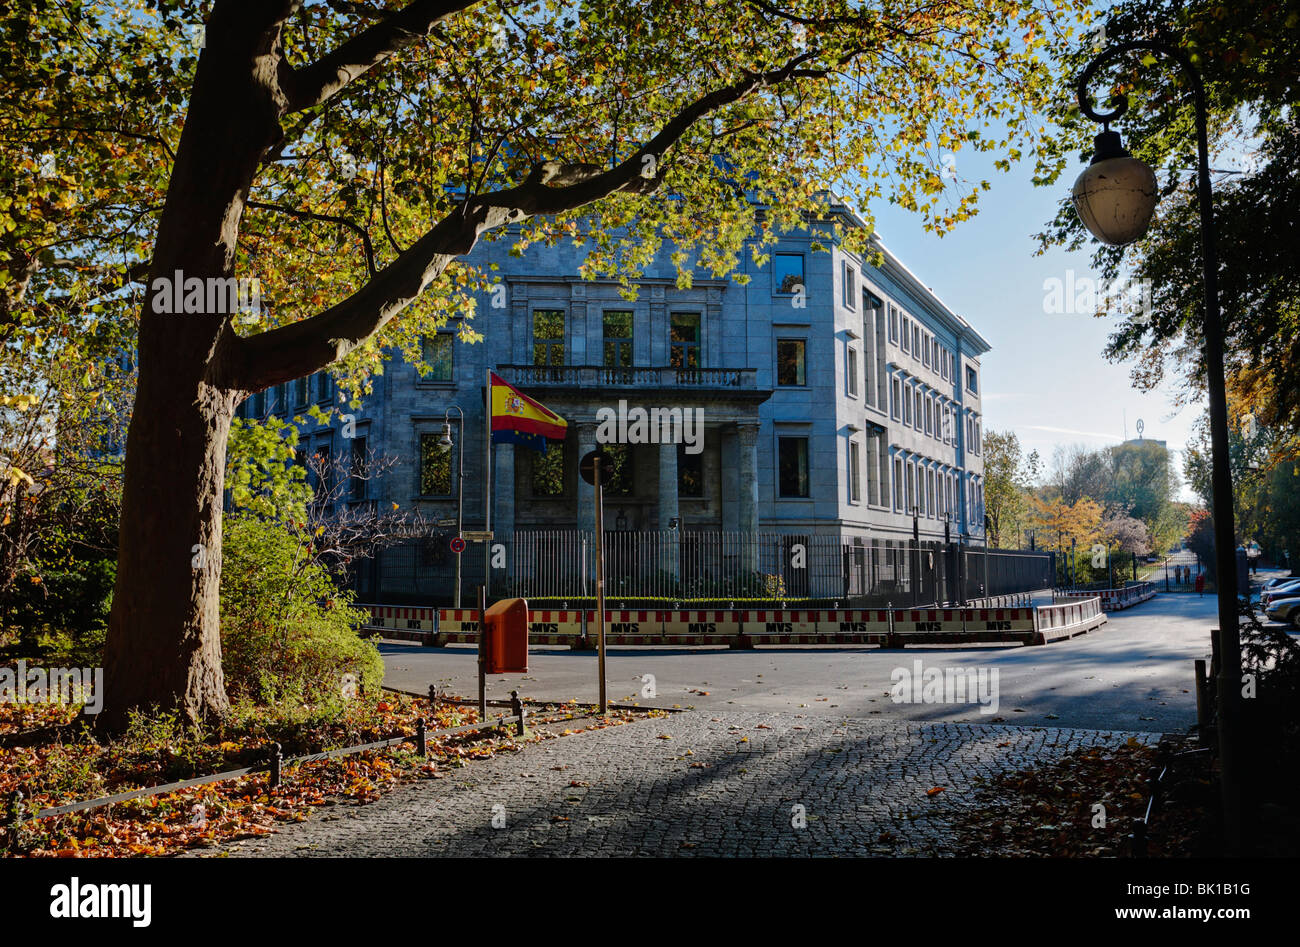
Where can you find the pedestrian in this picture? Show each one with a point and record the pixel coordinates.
(1200, 584)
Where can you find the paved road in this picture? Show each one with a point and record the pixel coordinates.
(725, 783)
(1135, 673)
(778, 735)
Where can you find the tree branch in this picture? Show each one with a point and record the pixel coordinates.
(328, 218)
(318, 82)
(552, 187)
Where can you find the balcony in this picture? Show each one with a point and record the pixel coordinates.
(719, 382)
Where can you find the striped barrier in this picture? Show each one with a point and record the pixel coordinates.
(854, 626)
(700, 626)
(626, 626)
(746, 628)
(554, 626)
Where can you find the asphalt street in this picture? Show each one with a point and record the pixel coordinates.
(1134, 673)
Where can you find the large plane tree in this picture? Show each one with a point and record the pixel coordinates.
(348, 155)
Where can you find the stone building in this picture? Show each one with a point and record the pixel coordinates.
(837, 398)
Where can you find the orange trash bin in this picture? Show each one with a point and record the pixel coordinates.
(505, 637)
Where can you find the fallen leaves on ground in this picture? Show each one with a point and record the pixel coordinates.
(52, 760)
(1050, 810)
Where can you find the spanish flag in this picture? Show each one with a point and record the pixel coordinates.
(518, 419)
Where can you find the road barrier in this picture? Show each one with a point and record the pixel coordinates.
(742, 628)
(1112, 600)
(1066, 621)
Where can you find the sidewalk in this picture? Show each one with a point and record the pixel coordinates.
(700, 783)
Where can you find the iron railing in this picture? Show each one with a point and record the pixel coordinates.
(657, 568)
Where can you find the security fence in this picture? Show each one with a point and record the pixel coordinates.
(645, 568)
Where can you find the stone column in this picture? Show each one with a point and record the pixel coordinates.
(503, 492)
(585, 515)
(747, 495)
(668, 508)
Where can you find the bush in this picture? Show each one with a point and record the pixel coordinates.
(288, 634)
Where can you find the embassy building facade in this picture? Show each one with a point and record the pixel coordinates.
(826, 396)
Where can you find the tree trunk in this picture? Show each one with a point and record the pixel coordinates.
(164, 643)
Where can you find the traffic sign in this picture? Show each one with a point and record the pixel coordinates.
(478, 535)
(587, 466)
(457, 545)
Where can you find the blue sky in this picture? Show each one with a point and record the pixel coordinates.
(1045, 378)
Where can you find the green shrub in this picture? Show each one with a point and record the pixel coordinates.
(288, 634)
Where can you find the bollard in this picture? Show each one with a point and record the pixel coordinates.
(277, 762)
(421, 738)
(517, 708)
(433, 697)
(1140, 839)
(1201, 709)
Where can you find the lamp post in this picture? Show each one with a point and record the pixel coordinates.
(445, 443)
(916, 541)
(1115, 198)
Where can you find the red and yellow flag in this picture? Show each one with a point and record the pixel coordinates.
(519, 419)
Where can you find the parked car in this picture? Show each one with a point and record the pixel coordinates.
(1278, 591)
(1278, 580)
(1285, 609)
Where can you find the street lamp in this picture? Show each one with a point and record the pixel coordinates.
(445, 443)
(1115, 198)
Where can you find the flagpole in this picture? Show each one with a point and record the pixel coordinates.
(487, 481)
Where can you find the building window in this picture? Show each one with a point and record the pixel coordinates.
(849, 293)
(684, 340)
(898, 484)
(438, 354)
(618, 338)
(853, 372)
(548, 336)
(971, 382)
(925, 350)
(855, 474)
(893, 323)
(911, 486)
(907, 406)
(357, 469)
(324, 387)
(300, 392)
(929, 492)
(690, 473)
(787, 272)
(920, 419)
(929, 418)
(975, 443)
(435, 463)
(792, 466)
(907, 335)
(548, 472)
(895, 406)
(790, 367)
(619, 458)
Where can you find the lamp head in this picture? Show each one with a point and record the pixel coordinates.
(1116, 194)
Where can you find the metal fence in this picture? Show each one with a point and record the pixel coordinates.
(646, 568)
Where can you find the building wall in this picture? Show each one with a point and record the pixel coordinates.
(741, 328)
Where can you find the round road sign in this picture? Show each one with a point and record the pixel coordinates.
(457, 545)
